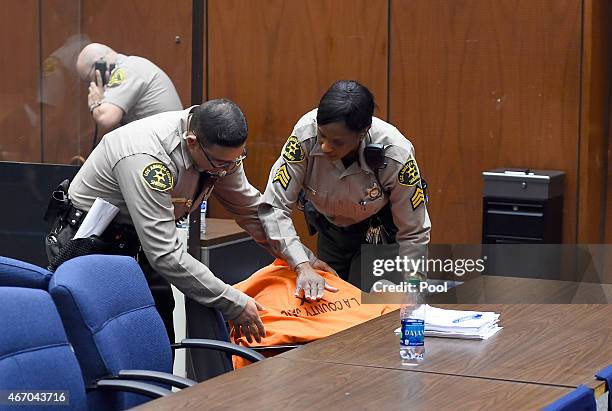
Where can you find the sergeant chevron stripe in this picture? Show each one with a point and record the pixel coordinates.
(282, 176)
(417, 198)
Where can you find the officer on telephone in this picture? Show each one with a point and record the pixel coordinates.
(123, 88)
(356, 177)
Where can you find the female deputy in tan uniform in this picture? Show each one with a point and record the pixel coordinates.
(358, 181)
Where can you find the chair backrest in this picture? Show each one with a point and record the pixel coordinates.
(34, 350)
(581, 399)
(111, 321)
(15, 273)
(605, 374)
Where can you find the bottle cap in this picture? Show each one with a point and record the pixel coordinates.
(414, 280)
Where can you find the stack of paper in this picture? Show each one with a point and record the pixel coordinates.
(460, 324)
(472, 325)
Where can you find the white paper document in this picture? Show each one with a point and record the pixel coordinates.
(97, 219)
(471, 325)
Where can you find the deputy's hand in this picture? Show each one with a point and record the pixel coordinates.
(96, 91)
(248, 322)
(311, 282)
(323, 266)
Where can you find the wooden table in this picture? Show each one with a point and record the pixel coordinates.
(220, 230)
(514, 290)
(283, 384)
(561, 345)
(543, 353)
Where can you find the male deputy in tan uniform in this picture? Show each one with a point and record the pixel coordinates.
(158, 169)
(324, 157)
(136, 88)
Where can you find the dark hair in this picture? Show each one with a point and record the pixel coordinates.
(219, 122)
(348, 101)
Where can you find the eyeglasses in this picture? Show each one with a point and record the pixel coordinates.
(223, 164)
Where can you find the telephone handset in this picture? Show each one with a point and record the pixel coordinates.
(105, 73)
(101, 66)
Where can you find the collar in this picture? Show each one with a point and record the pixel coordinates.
(120, 59)
(183, 124)
(316, 151)
(355, 168)
(358, 166)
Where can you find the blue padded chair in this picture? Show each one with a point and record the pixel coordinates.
(35, 353)
(581, 399)
(114, 327)
(34, 350)
(15, 273)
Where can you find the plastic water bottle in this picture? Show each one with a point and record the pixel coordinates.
(412, 317)
(203, 218)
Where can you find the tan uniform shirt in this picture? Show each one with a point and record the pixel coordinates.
(345, 196)
(144, 168)
(140, 89)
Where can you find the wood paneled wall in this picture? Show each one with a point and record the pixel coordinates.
(19, 82)
(474, 84)
(64, 96)
(478, 85)
(143, 28)
(276, 58)
(608, 235)
(43, 88)
(148, 29)
(594, 129)
(608, 222)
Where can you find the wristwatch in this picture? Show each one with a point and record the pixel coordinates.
(94, 105)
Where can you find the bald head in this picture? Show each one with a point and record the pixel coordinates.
(89, 55)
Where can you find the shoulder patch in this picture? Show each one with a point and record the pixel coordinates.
(158, 177)
(417, 198)
(49, 66)
(293, 151)
(409, 174)
(282, 176)
(116, 78)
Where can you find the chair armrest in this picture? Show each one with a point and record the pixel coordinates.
(224, 346)
(155, 376)
(149, 390)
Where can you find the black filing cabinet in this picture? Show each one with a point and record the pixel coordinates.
(522, 206)
(522, 223)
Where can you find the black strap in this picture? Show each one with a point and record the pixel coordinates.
(206, 183)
